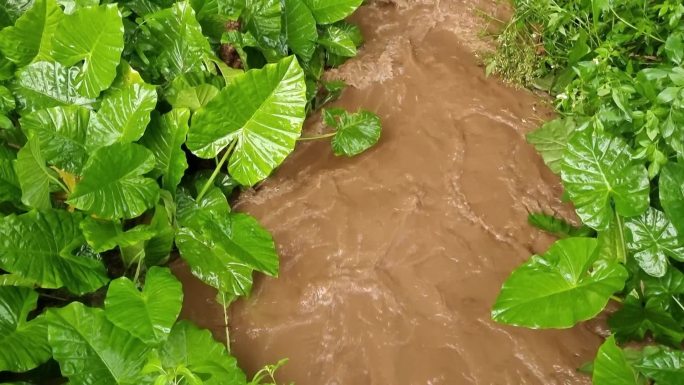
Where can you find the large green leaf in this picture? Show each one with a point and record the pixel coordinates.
(123, 115)
(61, 132)
(150, 314)
(176, 42)
(33, 175)
(25, 342)
(10, 191)
(263, 19)
(330, 11)
(262, 111)
(31, 37)
(664, 365)
(195, 350)
(355, 133)
(42, 246)
(671, 186)
(598, 171)
(635, 319)
(42, 85)
(653, 239)
(107, 235)
(564, 286)
(165, 139)
(611, 366)
(117, 192)
(94, 36)
(550, 140)
(91, 350)
(300, 29)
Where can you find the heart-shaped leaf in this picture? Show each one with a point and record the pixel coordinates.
(117, 192)
(25, 341)
(653, 239)
(150, 314)
(564, 286)
(664, 365)
(43, 85)
(355, 133)
(635, 319)
(338, 41)
(30, 39)
(262, 111)
(611, 366)
(165, 138)
(106, 235)
(41, 246)
(597, 172)
(263, 19)
(94, 36)
(330, 11)
(551, 139)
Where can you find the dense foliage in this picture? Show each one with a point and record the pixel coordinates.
(125, 126)
(616, 71)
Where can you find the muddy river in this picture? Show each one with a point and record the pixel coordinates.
(392, 260)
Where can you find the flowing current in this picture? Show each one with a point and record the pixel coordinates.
(391, 261)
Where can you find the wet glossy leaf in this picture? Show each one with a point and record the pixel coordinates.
(150, 314)
(611, 366)
(33, 176)
(300, 27)
(193, 98)
(263, 19)
(634, 319)
(356, 132)
(16, 280)
(117, 192)
(25, 342)
(30, 39)
(94, 36)
(91, 350)
(158, 248)
(71, 6)
(330, 11)
(665, 366)
(11, 10)
(107, 235)
(598, 171)
(337, 41)
(665, 288)
(653, 239)
(42, 85)
(564, 286)
(671, 185)
(9, 183)
(263, 111)
(165, 138)
(195, 349)
(123, 115)
(43, 246)
(61, 132)
(550, 140)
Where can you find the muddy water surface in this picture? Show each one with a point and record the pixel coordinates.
(392, 260)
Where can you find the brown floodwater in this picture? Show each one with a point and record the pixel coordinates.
(391, 261)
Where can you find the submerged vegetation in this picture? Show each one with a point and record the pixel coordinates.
(125, 127)
(616, 71)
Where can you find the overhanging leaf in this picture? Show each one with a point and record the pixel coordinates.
(165, 139)
(94, 36)
(611, 366)
(550, 140)
(30, 39)
(356, 132)
(262, 111)
(564, 286)
(117, 192)
(42, 246)
(598, 171)
(150, 314)
(337, 41)
(653, 239)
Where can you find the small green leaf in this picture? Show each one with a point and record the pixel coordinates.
(664, 365)
(356, 132)
(61, 132)
(117, 192)
(598, 171)
(262, 111)
(564, 286)
(42, 246)
(25, 342)
(43, 85)
(330, 11)
(193, 98)
(337, 41)
(653, 239)
(150, 314)
(300, 29)
(94, 36)
(107, 235)
(91, 350)
(165, 139)
(263, 19)
(634, 319)
(550, 140)
(123, 116)
(611, 366)
(672, 193)
(34, 177)
(31, 37)
(557, 226)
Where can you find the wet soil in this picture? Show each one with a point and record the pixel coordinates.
(392, 260)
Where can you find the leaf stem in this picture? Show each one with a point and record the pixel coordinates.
(316, 137)
(616, 298)
(139, 257)
(621, 232)
(225, 320)
(213, 176)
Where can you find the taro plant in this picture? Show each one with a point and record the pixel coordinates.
(615, 69)
(125, 128)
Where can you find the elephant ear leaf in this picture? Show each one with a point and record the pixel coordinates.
(94, 36)
(611, 366)
(566, 285)
(356, 132)
(92, 350)
(652, 239)
(165, 138)
(150, 314)
(330, 11)
(25, 342)
(117, 192)
(260, 113)
(30, 39)
(41, 245)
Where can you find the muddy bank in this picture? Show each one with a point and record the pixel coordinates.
(392, 260)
